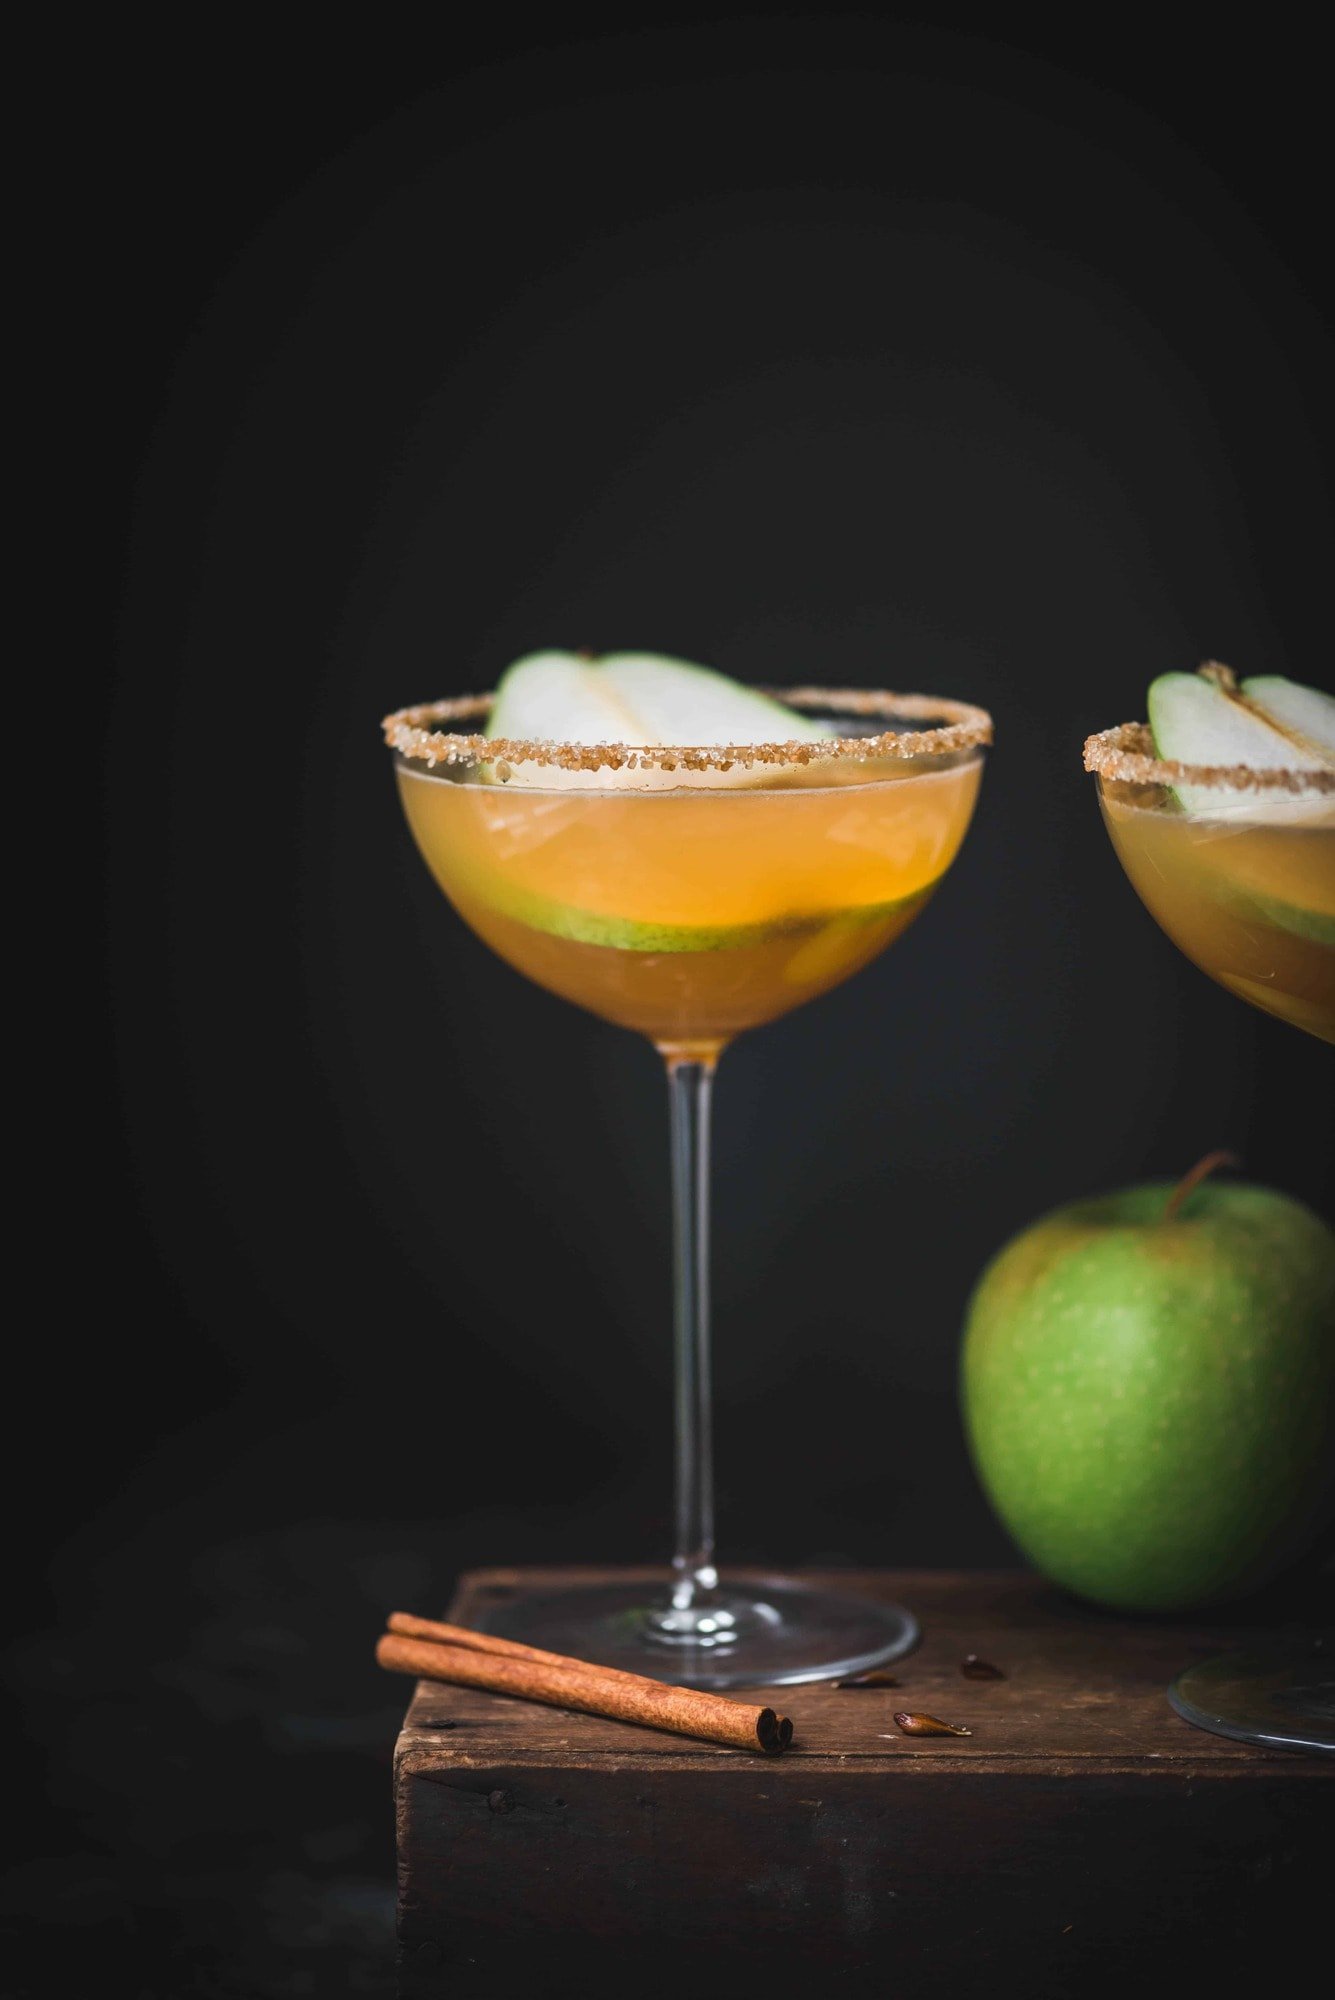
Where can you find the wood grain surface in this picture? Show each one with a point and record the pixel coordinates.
(1084, 1834)
(1082, 1691)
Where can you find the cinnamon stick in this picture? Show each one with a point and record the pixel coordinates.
(412, 1627)
(564, 1683)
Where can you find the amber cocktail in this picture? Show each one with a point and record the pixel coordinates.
(690, 893)
(1244, 881)
(691, 914)
(1236, 862)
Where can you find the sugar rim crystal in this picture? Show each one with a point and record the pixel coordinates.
(412, 733)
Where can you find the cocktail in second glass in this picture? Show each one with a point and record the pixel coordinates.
(1222, 812)
(1230, 839)
(1252, 904)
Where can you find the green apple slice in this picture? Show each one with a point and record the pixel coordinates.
(1272, 724)
(634, 698)
(1193, 720)
(1304, 713)
(553, 698)
(647, 934)
(1317, 926)
(677, 702)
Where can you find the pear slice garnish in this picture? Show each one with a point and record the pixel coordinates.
(1197, 719)
(635, 698)
(1304, 713)
(683, 703)
(552, 697)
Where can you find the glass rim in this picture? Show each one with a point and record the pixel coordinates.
(962, 726)
(1125, 755)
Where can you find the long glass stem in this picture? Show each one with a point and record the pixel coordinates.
(690, 1081)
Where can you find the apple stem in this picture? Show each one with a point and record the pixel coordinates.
(1222, 676)
(1190, 1182)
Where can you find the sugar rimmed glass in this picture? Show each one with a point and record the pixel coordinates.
(1244, 883)
(692, 893)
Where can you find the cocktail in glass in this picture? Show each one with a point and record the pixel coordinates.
(1243, 882)
(1237, 864)
(691, 893)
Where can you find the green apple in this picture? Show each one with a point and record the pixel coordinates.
(1148, 1389)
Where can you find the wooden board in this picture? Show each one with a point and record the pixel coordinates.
(1083, 1833)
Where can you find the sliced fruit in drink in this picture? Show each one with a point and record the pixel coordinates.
(1318, 926)
(622, 933)
(821, 956)
(1285, 886)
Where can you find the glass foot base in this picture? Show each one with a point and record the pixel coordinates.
(754, 1632)
(1280, 1697)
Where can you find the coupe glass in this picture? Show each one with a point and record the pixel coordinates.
(1244, 884)
(692, 893)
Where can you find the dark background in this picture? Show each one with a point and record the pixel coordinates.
(844, 350)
